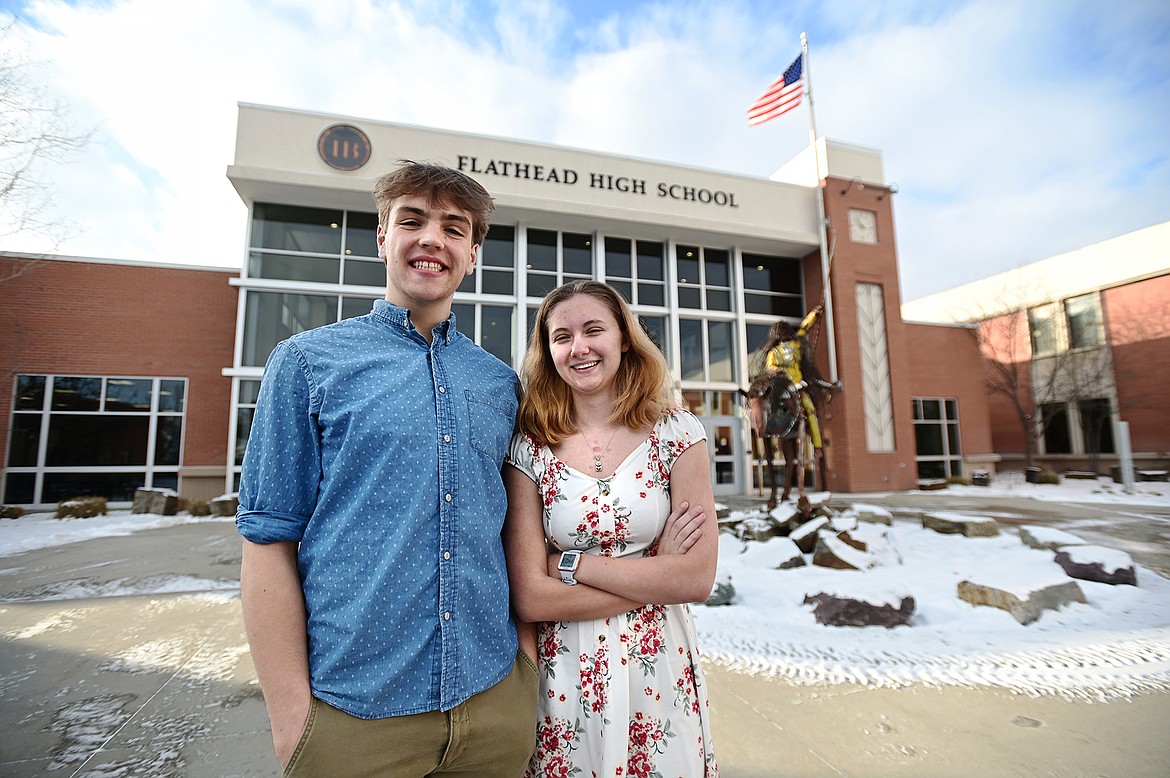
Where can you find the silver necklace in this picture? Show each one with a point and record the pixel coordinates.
(597, 450)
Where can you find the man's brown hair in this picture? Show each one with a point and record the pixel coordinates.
(438, 184)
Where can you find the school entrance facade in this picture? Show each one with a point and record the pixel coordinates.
(708, 261)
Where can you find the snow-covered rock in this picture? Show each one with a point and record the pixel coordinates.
(1097, 563)
(1048, 537)
(950, 523)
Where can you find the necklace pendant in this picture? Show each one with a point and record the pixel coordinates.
(597, 464)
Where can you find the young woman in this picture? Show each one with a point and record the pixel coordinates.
(610, 532)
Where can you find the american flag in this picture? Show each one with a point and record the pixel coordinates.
(781, 96)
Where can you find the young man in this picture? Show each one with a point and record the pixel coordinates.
(373, 582)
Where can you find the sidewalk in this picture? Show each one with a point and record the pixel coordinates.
(97, 678)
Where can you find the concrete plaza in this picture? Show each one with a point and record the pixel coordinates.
(96, 680)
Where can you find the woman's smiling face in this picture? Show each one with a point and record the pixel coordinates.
(586, 343)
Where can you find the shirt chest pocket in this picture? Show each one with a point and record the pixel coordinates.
(490, 420)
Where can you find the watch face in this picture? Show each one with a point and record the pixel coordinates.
(568, 563)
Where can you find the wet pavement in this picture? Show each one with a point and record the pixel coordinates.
(126, 656)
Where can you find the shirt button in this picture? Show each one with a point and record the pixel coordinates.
(442, 390)
(447, 616)
(447, 497)
(446, 555)
(446, 438)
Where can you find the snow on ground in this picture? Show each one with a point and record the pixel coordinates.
(1115, 644)
(40, 530)
(1101, 490)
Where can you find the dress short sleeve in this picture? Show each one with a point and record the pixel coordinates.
(522, 456)
(677, 431)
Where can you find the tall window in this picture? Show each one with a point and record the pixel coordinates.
(1057, 433)
(707, 349)
(1084, 321)
(656, 327)
(1075, 323)
(1096, 425)
(772, 286)
(936, 435)
(637, 269)
(555, 258)
(315, 245)
(495, 272)
(1042, 329)
(704, 278)
(491, 326)
(1092, 419)
(93, 435)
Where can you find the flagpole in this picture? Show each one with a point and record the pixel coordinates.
(821, 221)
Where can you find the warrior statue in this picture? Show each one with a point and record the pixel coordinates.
(785, 394)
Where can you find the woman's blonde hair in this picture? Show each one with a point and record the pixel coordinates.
(642, 383)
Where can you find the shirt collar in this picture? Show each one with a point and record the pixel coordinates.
(400, 317)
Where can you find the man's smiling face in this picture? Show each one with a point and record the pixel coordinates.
(428, 249)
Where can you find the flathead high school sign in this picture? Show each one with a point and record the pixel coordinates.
(569, 177)
(346, 148)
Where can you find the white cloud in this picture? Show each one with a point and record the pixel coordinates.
(1014, 131)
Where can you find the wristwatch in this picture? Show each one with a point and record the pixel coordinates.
(568, 566)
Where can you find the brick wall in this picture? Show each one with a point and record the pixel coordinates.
(853, 467)
(1137, 320)
(93, 318)
(945, 362)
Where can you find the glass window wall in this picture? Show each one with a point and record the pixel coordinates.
(637, 269)
(72, 436)
(936, 435)
(1084, 321)
(704, 278)
(773, 286)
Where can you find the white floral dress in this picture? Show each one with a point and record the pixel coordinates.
(622, 696)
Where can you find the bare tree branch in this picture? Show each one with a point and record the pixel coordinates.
(35, 134)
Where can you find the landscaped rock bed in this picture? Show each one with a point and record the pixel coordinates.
(856, 540)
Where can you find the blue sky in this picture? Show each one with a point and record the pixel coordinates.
(1013, 130)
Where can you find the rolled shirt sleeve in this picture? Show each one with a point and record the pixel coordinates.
(282, 465)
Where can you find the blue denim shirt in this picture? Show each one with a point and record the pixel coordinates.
(381, 454)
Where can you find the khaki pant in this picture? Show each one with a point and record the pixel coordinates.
(491, 735)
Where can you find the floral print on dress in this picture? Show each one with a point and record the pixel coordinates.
(549, 646)
(594, 686)
(648, 738)
(648, 638)
(556, 740)
(622, 696)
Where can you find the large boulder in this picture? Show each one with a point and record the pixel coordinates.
(757, 529)
(786, 516)
(163, 502)
(869, 610)
(831, 551)
(1048, 538)
(843, 522)
(805, 536)
(1025, 597)
(1097, 563)
(949, 523)
(874, 514)
(225, 505)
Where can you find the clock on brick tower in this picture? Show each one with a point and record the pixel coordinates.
(862, 226)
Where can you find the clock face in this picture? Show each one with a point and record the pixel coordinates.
(862, 226)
